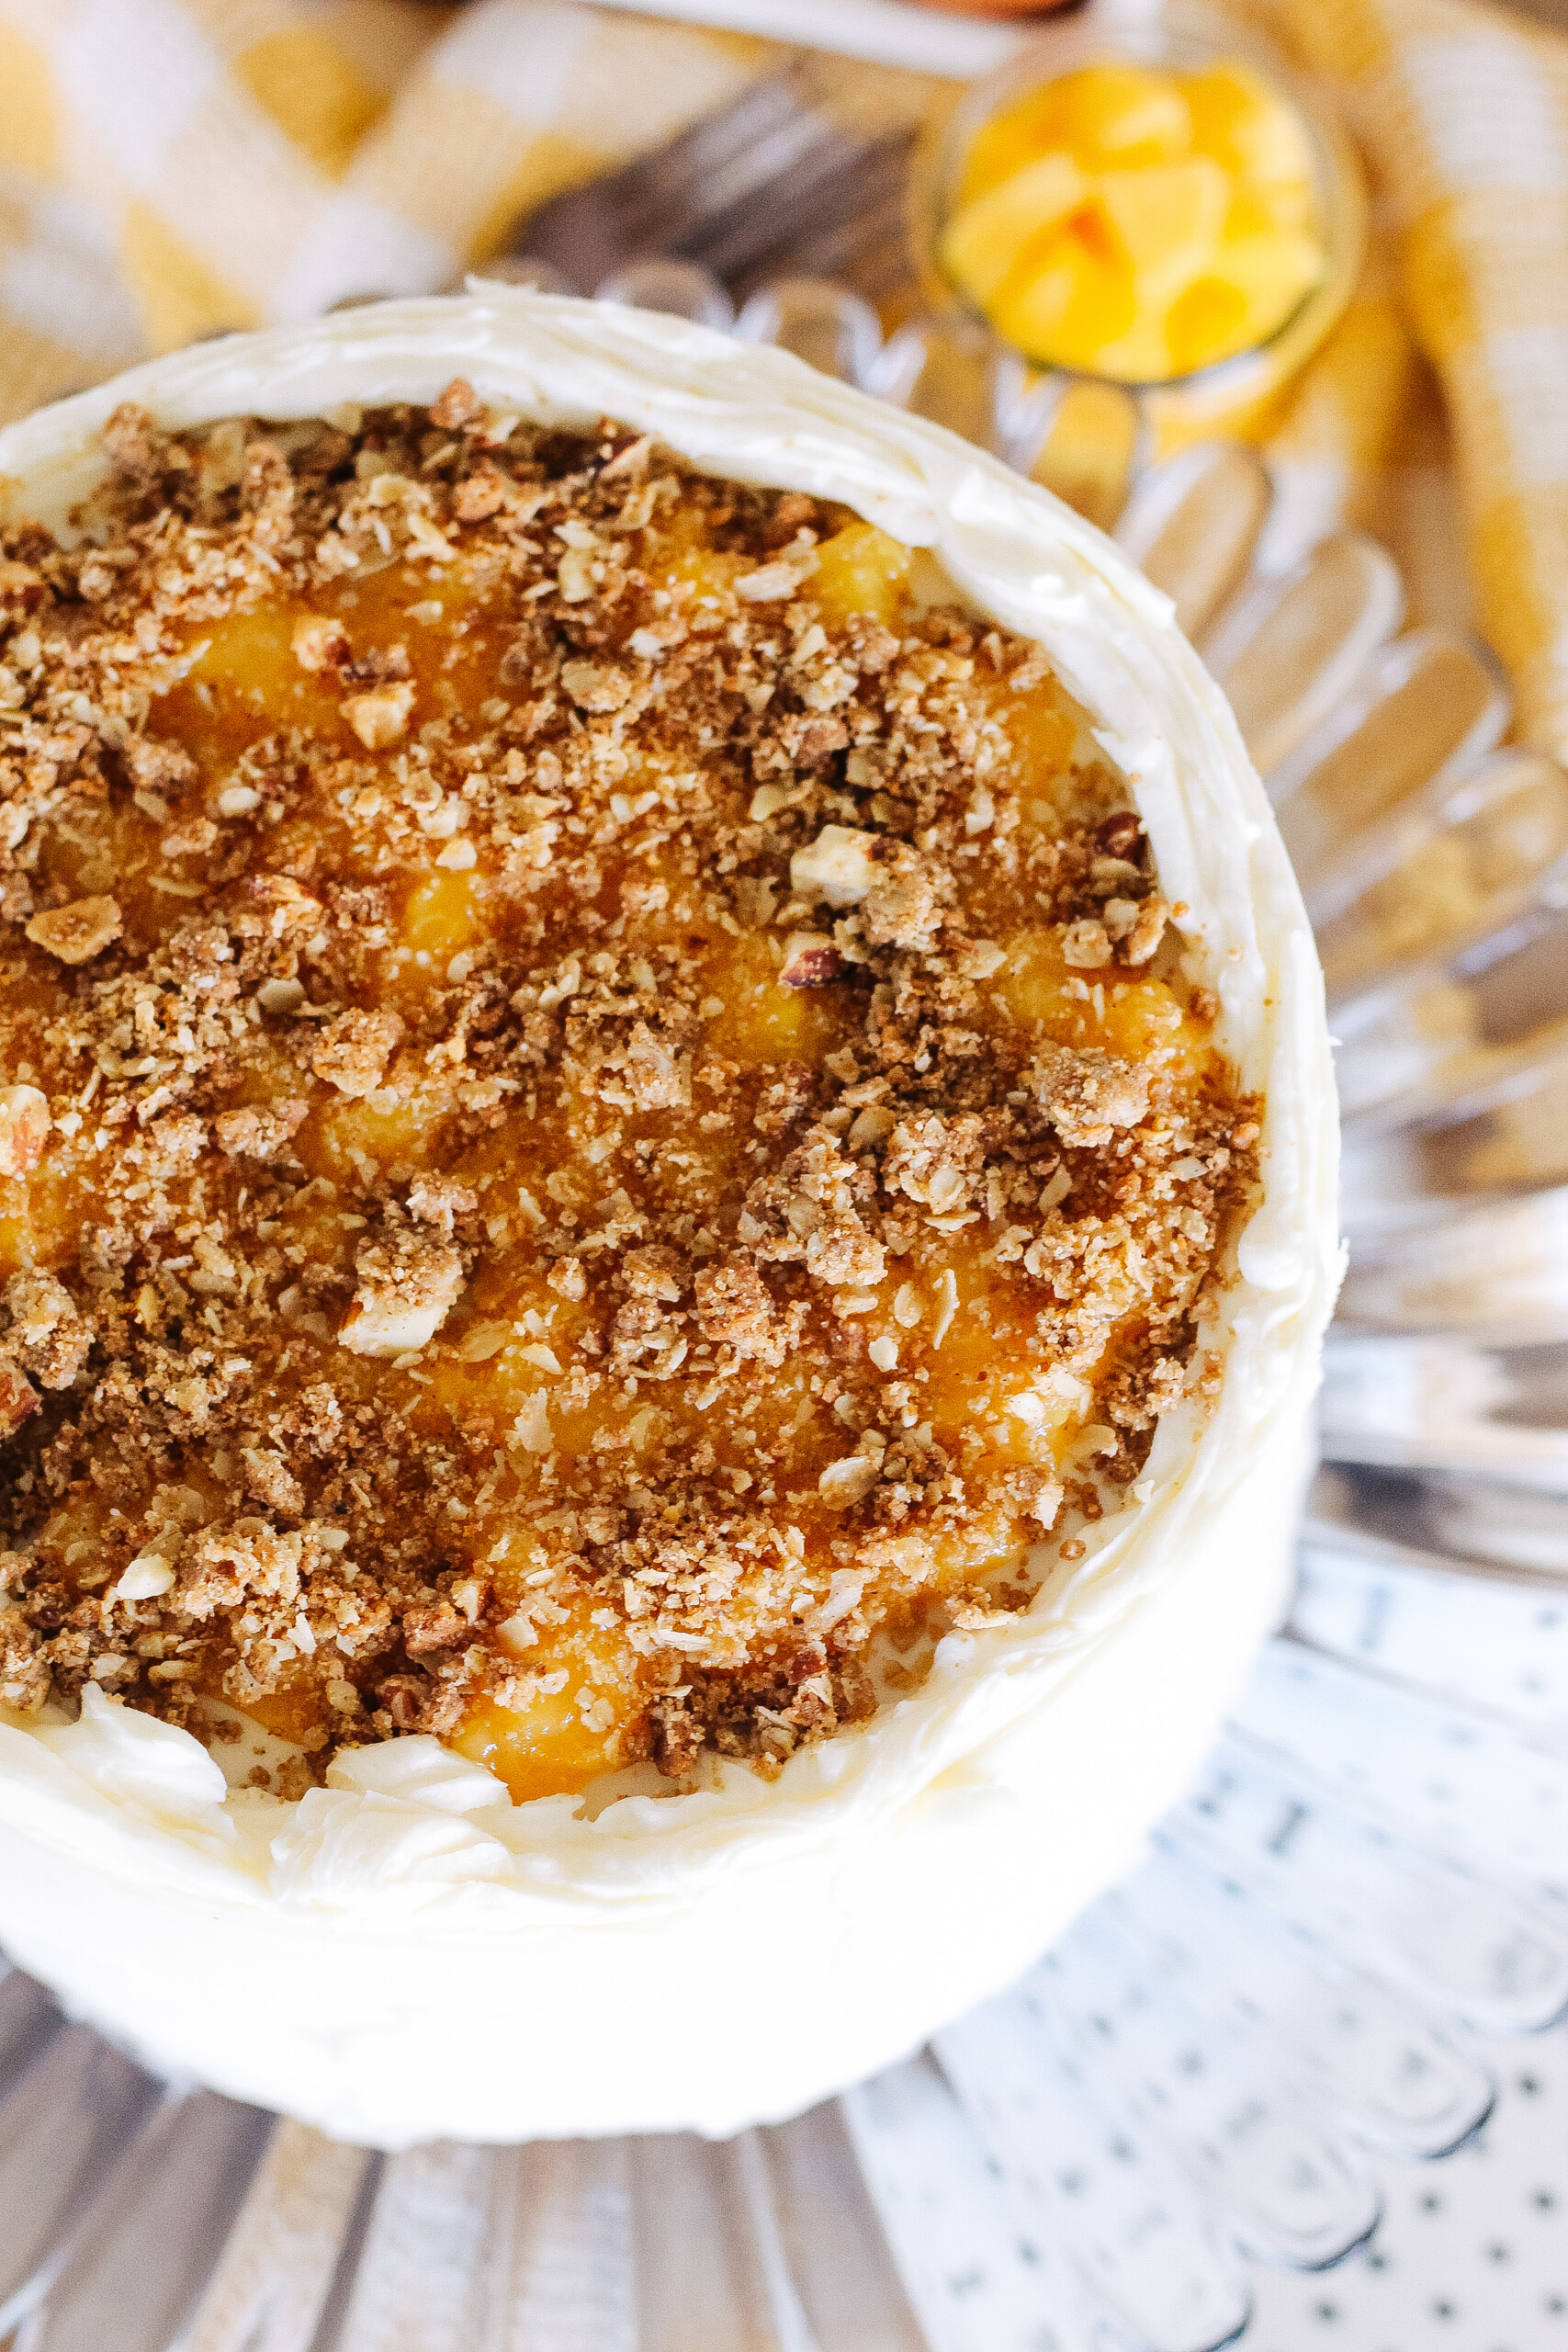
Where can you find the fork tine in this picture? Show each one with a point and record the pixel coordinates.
(779, 183)
(822, 223)
(651, 205)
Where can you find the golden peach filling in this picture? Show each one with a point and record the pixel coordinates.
(603, 1131)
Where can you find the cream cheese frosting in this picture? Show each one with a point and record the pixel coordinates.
(405, 1954)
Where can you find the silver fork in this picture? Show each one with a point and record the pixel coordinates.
(774, 185)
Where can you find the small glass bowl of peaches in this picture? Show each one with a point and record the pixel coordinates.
(1149, 200)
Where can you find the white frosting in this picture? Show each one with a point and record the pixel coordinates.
(405, 1954)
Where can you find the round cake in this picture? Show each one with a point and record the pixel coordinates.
(666, 1206)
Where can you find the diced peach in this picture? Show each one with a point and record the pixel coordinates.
(1205, 322)
(555, 1741)
(1166, 220)
(1040, 728)
(1009, 139)
(1272, 271)
(441, 916)
(1140, 356)
(764, 1020)
(1081, 299)
(384, 1126)
(1245, 126)
(251, 657)
(1253, 286)
(1144, 1020)
(993, 235)
(1260, 211)
(701, 571)
(861, 569)
(1124, 114)
(1089, 209)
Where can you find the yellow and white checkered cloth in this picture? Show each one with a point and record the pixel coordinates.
(171, 168)
(1462, 115)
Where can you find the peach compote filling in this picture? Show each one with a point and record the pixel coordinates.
(604, 1131)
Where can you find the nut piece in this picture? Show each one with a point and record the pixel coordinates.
(24, 1126)
(902, 907)
(18, 1397)
(655, 1273)
(567, 1278)
(1085, 945)
(459, 405)
(380, 717)
(48, 1337)
(268, 1478)
(770, 584)
(408, 1286)
(835, 866)
(734, 1308)
(79, 932)
(352, 1054)
(146, 1576)
(979, 959)
(319, 641)
(846, 1483)
(1119, 836)
(595, 685)
(437, 1200)
(1145, 935)
(811, 961)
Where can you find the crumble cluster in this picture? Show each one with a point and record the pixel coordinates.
(642, 1303)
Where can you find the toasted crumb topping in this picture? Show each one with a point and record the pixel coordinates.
(602, 1123)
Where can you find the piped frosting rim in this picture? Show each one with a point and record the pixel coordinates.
(409, 1825)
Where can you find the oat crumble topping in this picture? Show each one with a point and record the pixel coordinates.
(600, 1121)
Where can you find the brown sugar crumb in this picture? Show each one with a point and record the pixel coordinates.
(251, 1133)
(1087, 1095)
(352, 1054)
(44, 1332)
(602, 1125)
(407, 1285)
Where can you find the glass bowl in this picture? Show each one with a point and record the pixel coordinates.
(1186, 37)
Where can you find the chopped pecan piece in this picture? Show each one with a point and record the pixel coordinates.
(79, 932)
(1144, 934)
(459, 405)
(1085, 945)
(595, 685)
(437, 1200)
(811, 961)
(320, 642)
(18, 1397)
(380, 718)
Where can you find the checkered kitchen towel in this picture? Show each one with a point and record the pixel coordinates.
(1462, 115)
(170, 168)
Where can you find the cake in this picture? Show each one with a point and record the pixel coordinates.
(666, 1202)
